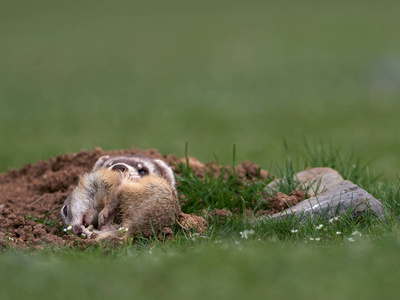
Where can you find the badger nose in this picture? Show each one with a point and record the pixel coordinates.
(120, 168)
(77, 229)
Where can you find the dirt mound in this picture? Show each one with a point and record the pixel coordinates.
(31, 197)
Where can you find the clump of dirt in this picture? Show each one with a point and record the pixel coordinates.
(281, 201)
(31, 197)
(192, 222)
(166, 234)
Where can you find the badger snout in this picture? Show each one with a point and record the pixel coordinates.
(77, 229)
(90, 219)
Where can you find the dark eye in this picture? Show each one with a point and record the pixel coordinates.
(64, 211)
(142, 172)
(120, 168)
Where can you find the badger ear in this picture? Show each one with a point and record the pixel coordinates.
(166, 171)
(99, 163)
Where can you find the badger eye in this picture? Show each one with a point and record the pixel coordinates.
(120, 168)
(64, 211)
(142, 172)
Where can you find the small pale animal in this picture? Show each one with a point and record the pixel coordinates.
(108, 190)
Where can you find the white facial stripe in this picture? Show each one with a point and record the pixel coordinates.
(168, 169)
(152, 169)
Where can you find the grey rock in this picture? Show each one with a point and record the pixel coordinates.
(314, 181)
(344, 198)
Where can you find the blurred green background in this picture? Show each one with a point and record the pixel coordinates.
(154, 74)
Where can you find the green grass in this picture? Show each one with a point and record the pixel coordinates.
(208, 270)
(80, 75)
(224, 190)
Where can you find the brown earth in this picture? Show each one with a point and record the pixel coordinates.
(281, 201)
(30, 198)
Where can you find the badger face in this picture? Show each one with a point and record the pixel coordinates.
(129, 171)
(79, 209)
(78, 214)
(136, 166)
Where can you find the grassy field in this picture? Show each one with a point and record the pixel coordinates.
(264, 270)
(214, 73)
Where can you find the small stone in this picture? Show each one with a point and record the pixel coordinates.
(339, 200)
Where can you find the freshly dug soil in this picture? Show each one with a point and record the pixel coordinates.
(281, 201)
(30, 198)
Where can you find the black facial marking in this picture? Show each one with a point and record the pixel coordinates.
(142, 172)
(65, 211)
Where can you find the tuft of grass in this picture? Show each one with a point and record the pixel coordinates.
(389, 192)
(349, 166)
(286, 181)
(217, 191)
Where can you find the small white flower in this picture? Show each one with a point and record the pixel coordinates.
(245, 234)
(311, 239)
(293, 230)
(68, 228)
(333, 219)
(338, 232)
(356, 233)
(122, 229)
(11, 239)
(218, 242)
(350, 239)
(319, 226)
(317, 239)
(83, 235)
